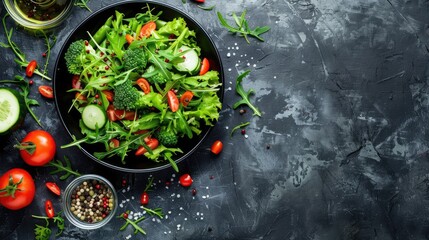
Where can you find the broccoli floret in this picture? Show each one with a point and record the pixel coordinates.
(135, 58)
(126, 96)
(167, 138)
(154, 77)
(75, 57)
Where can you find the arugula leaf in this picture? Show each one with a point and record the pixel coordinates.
(42, 233)
(209, 8)
(20, 56)
(243, 27)
(165, 153)
(242, 125)
(245, 95)
(63, 167)
(154, 212)
(83, 4)
(137, 228)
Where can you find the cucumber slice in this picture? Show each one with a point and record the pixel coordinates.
(94, 116)
(191, 63)
(12, 110)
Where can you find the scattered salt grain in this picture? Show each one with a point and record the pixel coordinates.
(123, 190)
(153, 219)
(246, 136)
(128, 237)
(237, 48)
(226, 127)
(166, 216)
(204, 197)
(186, 219)
(121, 205)
(235, 44)
(248, 64)
(169, 212)
(228, 54)
(207, 187)
(233, 54)
(173, 175)
(254, 65)
(181, 208)
(178, 196)
(198, 213)
(275, 77)
(229, 89)
(229, 69)
(165, 233)
(132, 197)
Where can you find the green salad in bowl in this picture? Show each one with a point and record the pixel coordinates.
(140, 91)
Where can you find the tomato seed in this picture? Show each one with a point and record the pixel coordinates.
(194, 191)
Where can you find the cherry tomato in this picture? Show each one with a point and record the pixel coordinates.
(144, 85)
(31, 67)
(144, 198)
(185, 180)
(53, 187)
(147, 29)
(109, 95)
(80, 96)
(76, 83)
(217, 147)
(152, 143)
(114, 143)
(17, 189)
(205, 66)
(129, 38)
(49, 209)
(37, 148)
(116, 114)
(46, 91)
(186, 98)
(173, 102)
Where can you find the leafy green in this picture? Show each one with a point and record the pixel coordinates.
(154, 212)
(83, 4)
(20, 56)
(242, 125)
(63, 167)
(209, 8)
(44, 233)
(245, 95)
(243, 27)
(137, 228)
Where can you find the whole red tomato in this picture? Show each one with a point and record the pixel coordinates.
(17, 189)
(37, 148)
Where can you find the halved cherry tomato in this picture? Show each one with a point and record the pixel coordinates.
(49, 209)
(144, 85)
(53, 187)
(46, 91)
(80, 96)
(152, 143)
(186, 98)
(185, 180)
(144, 198)
(109, 95)
(129, 38)
(117, 114)
(173, 102)
(147, 29)
(205, 66)
(216, 147)
(31, 67)
(114, 143)
(76, 84)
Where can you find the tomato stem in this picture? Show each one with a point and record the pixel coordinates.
(11, 188)
(29, 147)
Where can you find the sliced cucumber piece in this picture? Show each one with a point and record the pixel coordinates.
(94, 116)
(12, 110)
(191, 63)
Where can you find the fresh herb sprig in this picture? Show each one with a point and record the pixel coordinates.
(63, 167)
(242, 125)
(209, 8)
(154, 212)
(137, 228)
(83, 4)
(25, 91)
(245, 95)
(243, 27)
(20, 56)
(44, 232)
(49, 42)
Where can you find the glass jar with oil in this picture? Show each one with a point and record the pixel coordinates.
(39, 14)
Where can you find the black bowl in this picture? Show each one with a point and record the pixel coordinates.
(62, 83)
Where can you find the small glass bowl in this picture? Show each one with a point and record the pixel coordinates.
(22, 18)
(67, 202)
